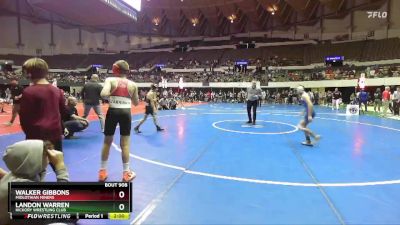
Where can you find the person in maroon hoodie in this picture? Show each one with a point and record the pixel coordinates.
(42, 105)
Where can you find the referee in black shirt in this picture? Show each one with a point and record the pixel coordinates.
(253, 96)
(91, 98)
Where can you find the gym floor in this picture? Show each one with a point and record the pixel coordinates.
(209, 167)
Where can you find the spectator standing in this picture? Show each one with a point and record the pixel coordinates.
(263, 96)
(377, 99)
(8, 95)
(329, 98)
(322, 97)
(16, 94)
(336, 99)
(396, 101)
(42, 105)
(243, 95)
(311, 94)
(2, 105)
(386, 100)
(212, 96)
(316, 98)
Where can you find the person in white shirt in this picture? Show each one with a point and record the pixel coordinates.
(263, 96)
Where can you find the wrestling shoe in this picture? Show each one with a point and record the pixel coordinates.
(307, 143)
(317, 138)
(160, 129)
(69, 137)
(103, 175)
(128, 176)
(136, 129)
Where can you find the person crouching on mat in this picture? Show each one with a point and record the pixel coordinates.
(309, 114)
(253, 96)
(121, 92)
(73, 122)
(151, 108)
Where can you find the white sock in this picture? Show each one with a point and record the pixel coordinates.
(125, 166)
(103, 164)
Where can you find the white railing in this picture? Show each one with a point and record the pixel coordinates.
(285, 43)
(387, 81)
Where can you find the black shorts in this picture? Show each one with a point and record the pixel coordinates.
(149, 110)
(114, 117)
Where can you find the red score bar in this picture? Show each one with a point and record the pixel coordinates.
(88, 195)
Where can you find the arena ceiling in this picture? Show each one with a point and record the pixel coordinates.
(187, 17)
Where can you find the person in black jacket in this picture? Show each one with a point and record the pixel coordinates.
(91, 98)
(16, 94)
(377, 99)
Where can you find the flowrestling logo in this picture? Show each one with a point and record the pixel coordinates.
(377, 14)
(353, 110)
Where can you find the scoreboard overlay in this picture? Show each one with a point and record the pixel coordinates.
(70, 200)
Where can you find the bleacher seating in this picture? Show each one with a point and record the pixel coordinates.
(370, 50)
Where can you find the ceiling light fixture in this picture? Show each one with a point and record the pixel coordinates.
(272, 9)
(195, 21)
(156, 21)
(232, 18)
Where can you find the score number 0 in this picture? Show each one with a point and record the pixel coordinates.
(121, 195)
